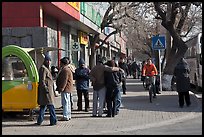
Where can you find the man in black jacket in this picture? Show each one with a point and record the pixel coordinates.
(183, 82)
(113, 81)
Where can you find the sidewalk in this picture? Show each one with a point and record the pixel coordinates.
(136, 113)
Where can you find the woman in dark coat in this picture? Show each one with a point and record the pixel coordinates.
(183, 82)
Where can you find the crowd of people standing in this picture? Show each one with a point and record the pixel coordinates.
(108, 84)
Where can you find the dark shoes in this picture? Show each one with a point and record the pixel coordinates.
(53, 124)
(86, 110)
(188, 105)
(79, 109)
(181, 106)
(96, 116)
(158, 92)
(110, 116)
(37, 124)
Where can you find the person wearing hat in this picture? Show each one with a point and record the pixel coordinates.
(82, 84)
(46, 93)
(64, 84)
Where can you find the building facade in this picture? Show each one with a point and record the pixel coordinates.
(64, 25)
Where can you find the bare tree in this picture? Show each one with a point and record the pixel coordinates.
(179, 24)
(113, 18)
(138, 21)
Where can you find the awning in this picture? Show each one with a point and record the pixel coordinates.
(42, 49)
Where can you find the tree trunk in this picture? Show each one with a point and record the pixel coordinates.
(166, 82)
(171, 63)
(92, 58)
(93, 41)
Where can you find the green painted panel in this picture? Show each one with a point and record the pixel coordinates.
(6, 85)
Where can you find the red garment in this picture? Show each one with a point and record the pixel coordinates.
(149, 70)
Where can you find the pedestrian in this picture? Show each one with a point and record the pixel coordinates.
(181, 72)
(72, 67)
(136, 70)
(46, 93)
(64, 84)
(124, 66)
(82, 84)
(112, 82)
(130, 68)
(97, 79)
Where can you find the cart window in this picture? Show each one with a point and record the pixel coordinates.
(13, 68)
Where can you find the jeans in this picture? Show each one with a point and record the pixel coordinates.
(53, 117)
(113, 98)
(66, 103)
(98, 96)
(118, 98)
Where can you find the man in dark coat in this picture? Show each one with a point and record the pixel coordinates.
(113, 82)
(46, 93)
(183, 82)
(82, 84)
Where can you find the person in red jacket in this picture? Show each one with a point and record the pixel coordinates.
(150, 70)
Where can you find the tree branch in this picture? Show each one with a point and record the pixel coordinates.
(114, 32)
(184, 14)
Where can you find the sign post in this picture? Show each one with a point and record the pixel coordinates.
(158, 43)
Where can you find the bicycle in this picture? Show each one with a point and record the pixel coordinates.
(148, 84)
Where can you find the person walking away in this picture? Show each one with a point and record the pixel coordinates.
(150, 70)
(99, 89)
(82, 84)
(123, 65)
(112, 82)
(138, 70)
(46, 93)
(64, 84)
(181, 72)
(135, 69)
(130, 68)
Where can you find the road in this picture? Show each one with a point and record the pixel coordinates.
(137, 117)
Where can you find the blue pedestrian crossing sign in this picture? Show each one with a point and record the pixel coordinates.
(158, 42)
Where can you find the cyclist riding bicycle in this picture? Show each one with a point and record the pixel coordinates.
(150, 70)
